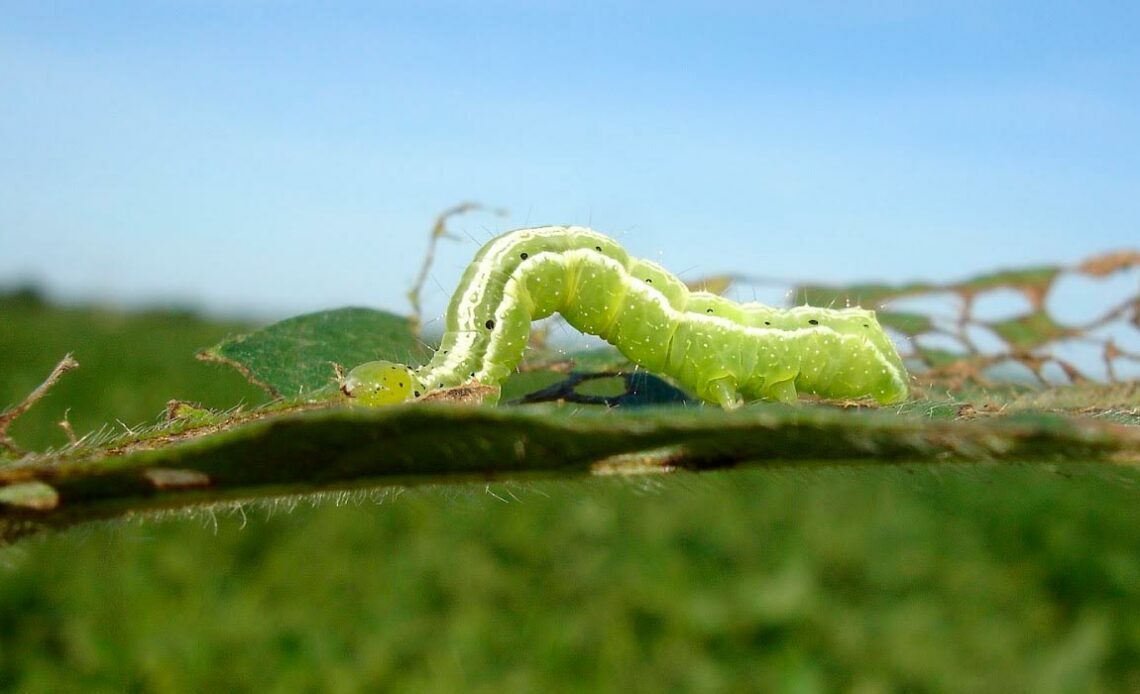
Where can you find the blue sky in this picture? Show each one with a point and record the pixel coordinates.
(276, 157)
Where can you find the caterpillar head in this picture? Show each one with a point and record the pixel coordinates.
(377, 383)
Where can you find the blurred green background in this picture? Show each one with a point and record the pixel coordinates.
(868, 580)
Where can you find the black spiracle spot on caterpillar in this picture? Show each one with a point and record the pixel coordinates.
(813, 321)
(708, 310)
(524, 256)
(490, 324)
(648, 280)
(598, 249)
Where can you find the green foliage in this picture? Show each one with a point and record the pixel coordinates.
(924, 578)
(996, 578)
(323, 443)
(132, 364)
(295, 357)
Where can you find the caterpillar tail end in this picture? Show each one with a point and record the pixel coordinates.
(379, 383)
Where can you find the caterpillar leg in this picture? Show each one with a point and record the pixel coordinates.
(377, 383)
(784, 391)
(724, 393)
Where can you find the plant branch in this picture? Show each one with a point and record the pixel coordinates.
(8, 416)
(439, 231)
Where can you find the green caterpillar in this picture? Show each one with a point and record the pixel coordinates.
(721, 350)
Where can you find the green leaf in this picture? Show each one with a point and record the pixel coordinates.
(351, 448)
(522, 383)
(1032, 330)
(938, 357)
(907, 323)
(605, 358)
(294, 357)
(1035, 280)
(865, 295)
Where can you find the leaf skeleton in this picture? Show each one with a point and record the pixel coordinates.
(725, 352)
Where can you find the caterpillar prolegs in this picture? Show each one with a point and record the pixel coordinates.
(721, 350)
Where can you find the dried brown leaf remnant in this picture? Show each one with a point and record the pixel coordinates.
(439, 231)
(10, 415)
(1030, 339)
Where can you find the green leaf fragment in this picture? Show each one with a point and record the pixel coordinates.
(521, 383)
(1036, 279)
(294, 357)
(1029, 331)
(907, 323)
(608, 387)
(938, 358)
(865, 295)
(606, 358)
